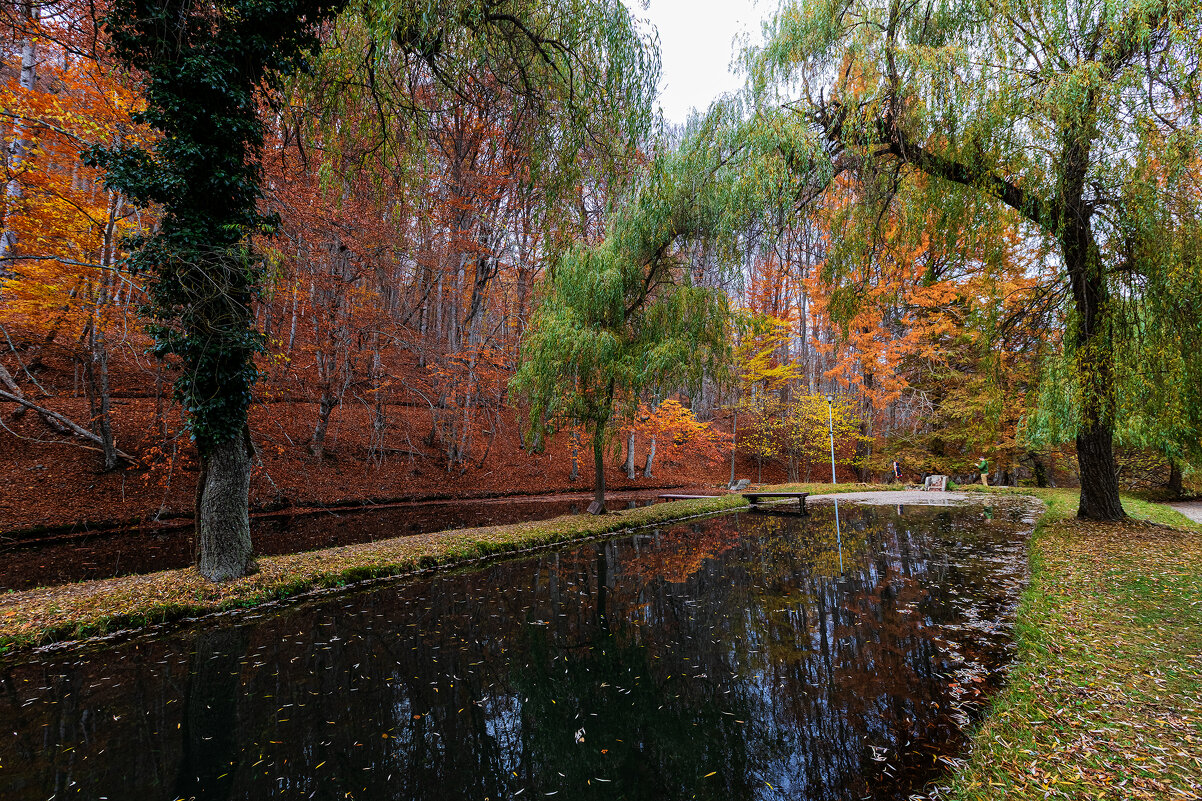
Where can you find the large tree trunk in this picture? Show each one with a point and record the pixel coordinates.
(629, 465)
(1174, 486)
(222, 511)
(1093, 352)
(734, 439)
(1099, 481)
(96, 384)
(650, 460)
(325, 406)
(1095, 372)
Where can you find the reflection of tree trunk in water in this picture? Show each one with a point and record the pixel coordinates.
(210, 724)
(603, 588)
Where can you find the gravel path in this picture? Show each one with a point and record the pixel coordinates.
(1191, 509)
(893, 497)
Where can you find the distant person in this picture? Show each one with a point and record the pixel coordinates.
(896, 472)
(983, 469)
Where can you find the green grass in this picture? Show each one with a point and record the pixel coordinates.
(1105, 699)
(72, 611)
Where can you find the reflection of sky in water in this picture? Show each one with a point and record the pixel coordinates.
(728, 658)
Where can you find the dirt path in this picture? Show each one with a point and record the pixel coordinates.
(896, 497)
(1191, 509)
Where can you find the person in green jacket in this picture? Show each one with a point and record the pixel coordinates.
(983, 468)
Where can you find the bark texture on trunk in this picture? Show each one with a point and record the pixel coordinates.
(1099, 481)
(630, 474)
(1174, 486)
(18, 148)
(650, 460)
(222, 511)
(325, 407)
(1094, 354)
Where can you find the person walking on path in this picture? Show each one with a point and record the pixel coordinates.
(896, 472)
(983, 469)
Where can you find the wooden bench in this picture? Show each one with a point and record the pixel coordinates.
(755, 498)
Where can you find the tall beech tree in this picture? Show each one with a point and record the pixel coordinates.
(1080, 119)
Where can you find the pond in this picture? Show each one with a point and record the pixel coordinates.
(727, 658)
(45, 561)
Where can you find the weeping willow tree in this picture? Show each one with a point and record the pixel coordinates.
(207, 71)
(1078, 120)
(626, 315)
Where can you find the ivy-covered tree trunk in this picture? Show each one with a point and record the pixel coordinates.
(203, 67)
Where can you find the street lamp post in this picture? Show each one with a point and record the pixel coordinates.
(830, 419)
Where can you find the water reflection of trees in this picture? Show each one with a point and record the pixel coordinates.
(631, 668)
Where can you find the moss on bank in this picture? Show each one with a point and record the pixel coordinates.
(1105, 698)
(71, 611)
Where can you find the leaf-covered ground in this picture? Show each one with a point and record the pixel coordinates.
(94, 607)
(1105, 700)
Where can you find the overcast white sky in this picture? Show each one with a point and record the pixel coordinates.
(696, 44)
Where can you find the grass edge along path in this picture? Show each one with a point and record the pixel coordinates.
(40, 616)
(1104, 699)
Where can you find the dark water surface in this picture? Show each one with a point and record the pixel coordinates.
(723, 659)
(79, 557)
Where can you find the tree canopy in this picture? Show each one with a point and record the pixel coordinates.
(1079, 121)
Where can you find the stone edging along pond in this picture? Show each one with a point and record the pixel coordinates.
(73, 611)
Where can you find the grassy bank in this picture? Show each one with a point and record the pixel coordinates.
(1105, 699)
(78, 610)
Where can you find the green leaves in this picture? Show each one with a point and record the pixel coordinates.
(622, 317)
